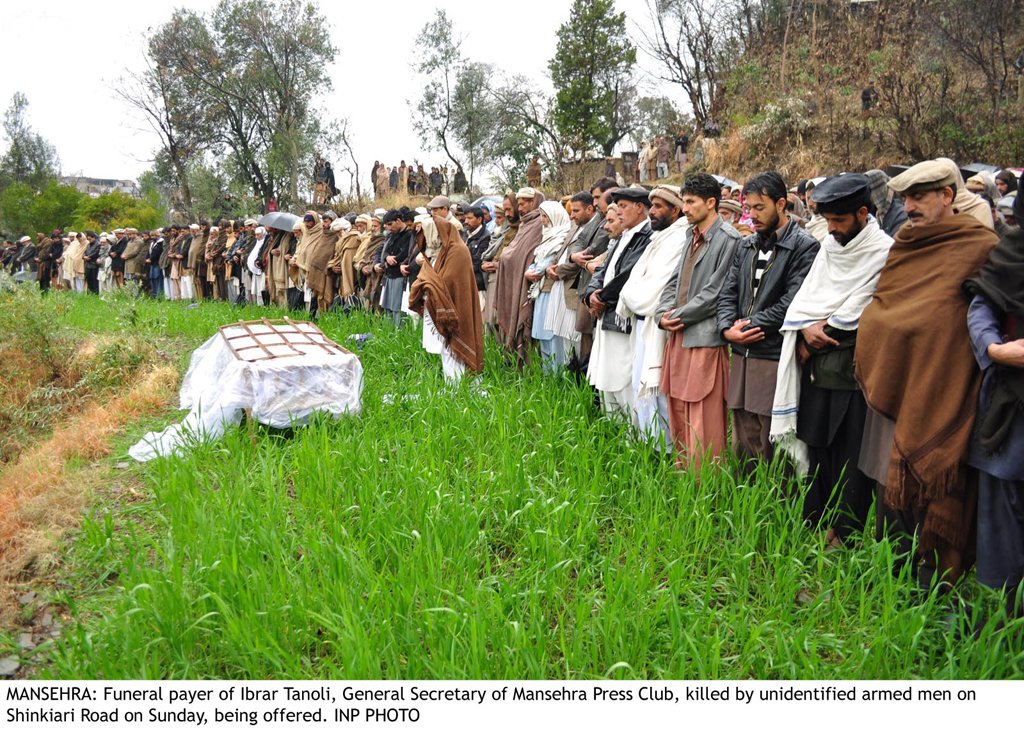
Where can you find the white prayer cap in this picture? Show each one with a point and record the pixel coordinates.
(379, 211)
(214, 229)
(72, 234)
(193, 226)
(24, 239)
(341, 224)
(119, 230)
(250, 222)
(260, 231)
(422, 211)
(528, 193)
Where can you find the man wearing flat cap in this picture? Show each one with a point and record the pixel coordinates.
(766, 273)
(818, 413)
(695, 371)
(919, 376)
(611, 360)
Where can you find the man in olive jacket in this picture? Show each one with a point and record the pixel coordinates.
(695, 369)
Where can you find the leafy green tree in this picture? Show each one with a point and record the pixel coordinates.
(253, 72)
(656, 115)
(439, 60)
(591, 71)
(55, 206)
(24, 210)
(29, 158)
(474, 115)
(117, 209)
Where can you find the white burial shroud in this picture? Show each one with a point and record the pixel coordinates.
(281, 371)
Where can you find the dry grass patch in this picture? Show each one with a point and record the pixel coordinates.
(41, 496)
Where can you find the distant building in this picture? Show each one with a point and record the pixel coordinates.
(95, 187)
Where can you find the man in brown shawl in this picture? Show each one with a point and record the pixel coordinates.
(369, 278)
(446, 288)
(506, 226)
(342, 263)
(318, 273)
(196, 257)
(916, 367)
(513, 307)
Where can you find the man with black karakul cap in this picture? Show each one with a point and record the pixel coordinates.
(818, 413)
(611, 360)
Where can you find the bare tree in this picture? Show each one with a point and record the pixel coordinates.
(349, 163)
(984, 34)
(691, 40)
(178, 121)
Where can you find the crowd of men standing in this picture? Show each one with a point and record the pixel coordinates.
(405, 179)
(864, 333)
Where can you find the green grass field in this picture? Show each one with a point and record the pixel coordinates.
(503, 531)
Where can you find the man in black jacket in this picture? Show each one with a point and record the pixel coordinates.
(155, 273)
(767, 270)
(116, 252)
(91, 256)
(611, 362)
(479, 238)
(395, 250)
(47, 255)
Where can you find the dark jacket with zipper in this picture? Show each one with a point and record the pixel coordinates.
(610, 290)
(794, 252)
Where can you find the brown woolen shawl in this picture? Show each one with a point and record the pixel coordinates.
(317, 257)
(310, 238)
(447, 288)
(915, 365)
(514, 308)
(344, 258)
(196, 250)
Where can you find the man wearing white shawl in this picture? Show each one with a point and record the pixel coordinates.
(253, 265)
(611, 360)
(639, 299)
(554, 349)
(818, 413)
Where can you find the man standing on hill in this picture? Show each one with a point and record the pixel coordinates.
(533, 173)
(591, 243)
(663, 152)
(765, 275)
(639, 299)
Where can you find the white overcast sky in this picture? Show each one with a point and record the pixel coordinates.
(66, 57)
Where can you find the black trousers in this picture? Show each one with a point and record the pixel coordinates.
(833, 427)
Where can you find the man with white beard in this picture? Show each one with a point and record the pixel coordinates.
(254, 269)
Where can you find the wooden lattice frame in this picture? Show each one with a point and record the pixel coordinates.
(285, 333)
